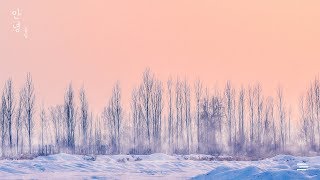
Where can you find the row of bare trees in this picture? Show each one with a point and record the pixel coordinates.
(173, 117)
(227, 121)
(20, 114)
(147, 108)
(310, 116)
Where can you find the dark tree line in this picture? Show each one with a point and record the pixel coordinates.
(175, 117)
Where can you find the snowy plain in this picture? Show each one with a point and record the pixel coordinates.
(157, 166)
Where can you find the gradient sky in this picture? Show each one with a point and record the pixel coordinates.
(98, 42)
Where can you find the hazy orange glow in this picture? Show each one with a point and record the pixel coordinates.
(98, 42)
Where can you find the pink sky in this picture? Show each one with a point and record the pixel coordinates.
(98, 42)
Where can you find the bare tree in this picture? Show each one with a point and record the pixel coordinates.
(198, 92)
(170, 113)
(229, 94)
(204, 123)
(145, 92)
(43, 119)
(3, 124)
(310, 114)
(241, 111)
(271, 115)
(251, 99)
(69, 112)
(267, 125)
(118, 113)
(98, 137)
(281, 112)
(84, 118)
(304, 121)
(179, 112)
(186, 97)
(19, 121)
(10, 106)
(259, 104)
(113, 116)
(289, 125)
(316, 88)
(156, 111)
(215, 114)
(92, 141)
(57, 113)
(138, 125)
(28, 104)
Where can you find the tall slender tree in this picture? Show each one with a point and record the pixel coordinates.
(18, 123)
(113, 117)
(28, 96)
(10, 107)
(84, 118)
(281, 113)
(198, 93)
(69, 115)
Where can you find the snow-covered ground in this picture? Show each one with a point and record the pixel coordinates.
(65, 166)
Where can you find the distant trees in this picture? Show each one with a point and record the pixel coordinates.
(174, 117)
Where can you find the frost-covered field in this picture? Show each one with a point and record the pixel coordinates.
(65, 166)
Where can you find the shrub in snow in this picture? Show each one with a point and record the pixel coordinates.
(89, 157)
(123, 160)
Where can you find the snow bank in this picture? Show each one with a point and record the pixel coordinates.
(66, 166)
(278, 167)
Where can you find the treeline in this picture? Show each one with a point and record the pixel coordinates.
(175, 117)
